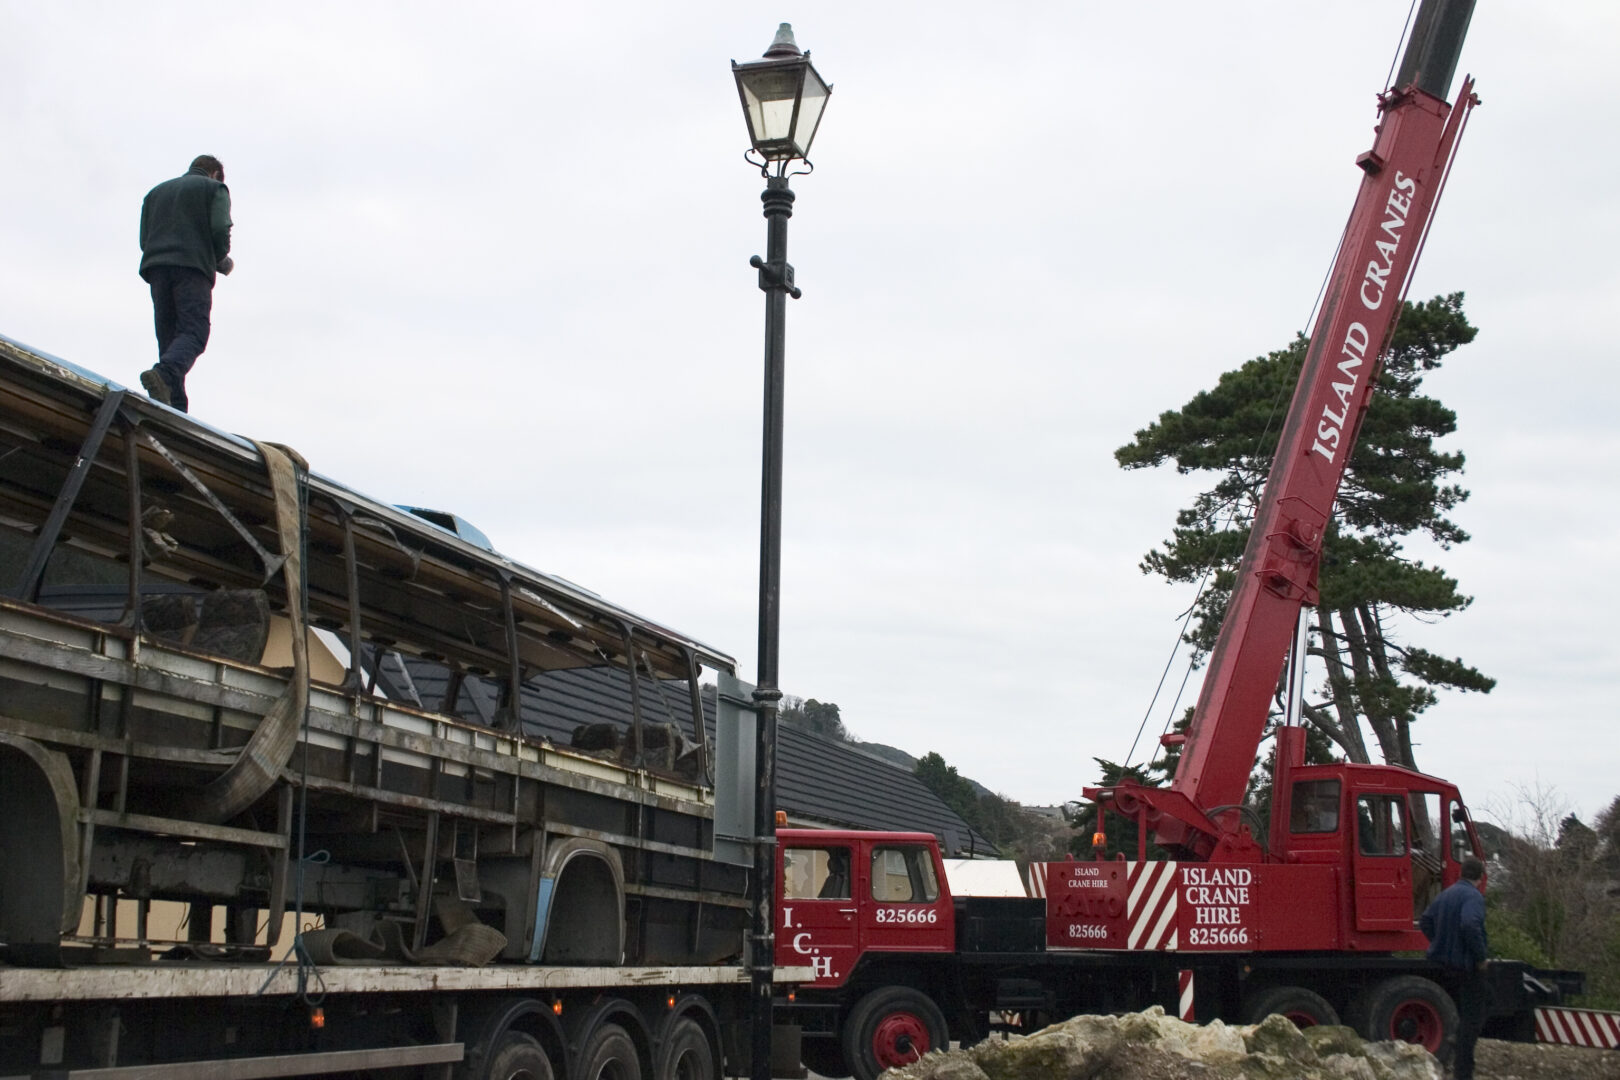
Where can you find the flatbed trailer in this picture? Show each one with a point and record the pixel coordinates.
(287, 1021)
(297, 782)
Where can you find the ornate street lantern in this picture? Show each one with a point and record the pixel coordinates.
(782, 99)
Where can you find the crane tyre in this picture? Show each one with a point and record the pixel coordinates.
(1406, 1008)
(1306, 1008)
(686, 1054)
(892, 1026)
(609, 1054)
(518, 1057)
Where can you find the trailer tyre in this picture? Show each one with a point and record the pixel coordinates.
(686, 1054)
(893, 1026)
(609, 1054)
(1407, 1008)
(1305, 1008)
(519, 1057)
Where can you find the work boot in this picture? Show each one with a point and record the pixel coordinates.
(156, 388)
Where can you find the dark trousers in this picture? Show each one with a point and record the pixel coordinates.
(182, 300)
(1471, 993)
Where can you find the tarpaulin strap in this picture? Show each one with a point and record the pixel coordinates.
(259, 762)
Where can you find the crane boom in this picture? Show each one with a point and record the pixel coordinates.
(1402, 177)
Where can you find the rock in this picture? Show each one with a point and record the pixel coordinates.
(1152, 1046)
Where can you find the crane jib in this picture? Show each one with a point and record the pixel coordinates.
(1402, 178)
(1374, 288)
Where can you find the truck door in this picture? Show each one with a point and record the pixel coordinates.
(816, 916)
(1382, 864)
(906, 910)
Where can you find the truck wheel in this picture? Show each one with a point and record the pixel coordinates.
(892, 1026)
(824, 1057)
(1304, 1007)
(518, 1057)
(686, 1054)
(609, 1054)
(1407, 1008)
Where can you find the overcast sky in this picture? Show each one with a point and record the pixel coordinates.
(493, 258)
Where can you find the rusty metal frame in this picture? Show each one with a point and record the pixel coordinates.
(27, 588)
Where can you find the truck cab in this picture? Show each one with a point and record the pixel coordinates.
(1402, 834)
(845, 894)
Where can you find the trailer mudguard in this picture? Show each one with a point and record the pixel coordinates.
(40, 896)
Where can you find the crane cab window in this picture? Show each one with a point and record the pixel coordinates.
(1428, 847)
(1462, 845)
(902, 874)
(1381, 825)
(1315, 807)
(815, 874)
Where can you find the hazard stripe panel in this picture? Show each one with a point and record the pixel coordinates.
(1150, 909)
(1578, 1027)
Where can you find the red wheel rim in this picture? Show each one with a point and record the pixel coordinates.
(1417, 1022)
(899, 1039)
(1302, 1019)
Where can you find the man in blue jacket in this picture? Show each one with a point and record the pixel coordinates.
(185, 241)
(1455, 927)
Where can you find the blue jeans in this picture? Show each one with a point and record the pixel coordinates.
(182, 301)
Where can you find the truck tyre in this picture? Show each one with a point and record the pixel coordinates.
(609, 1054)
(686, 1054)
(1407, 1008)
(518, 1057)
(1305, 1008)
(891, 1026)
(824, 1057)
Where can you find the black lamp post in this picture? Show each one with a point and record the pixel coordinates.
(782, 99)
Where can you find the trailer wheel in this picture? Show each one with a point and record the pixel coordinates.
(609, 1054)
(1305, 1008)
(824, 1057)
(1407, 1008)
(892, 1026)
(686, 1054)
(519, 1057)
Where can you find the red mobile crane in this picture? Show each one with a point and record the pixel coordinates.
(1352, 850)
(1404, 173)
(1307, 920)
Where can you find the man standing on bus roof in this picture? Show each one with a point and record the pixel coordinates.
(185, 241)
(1455, 927)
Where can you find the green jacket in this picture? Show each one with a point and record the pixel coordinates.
(186, 222)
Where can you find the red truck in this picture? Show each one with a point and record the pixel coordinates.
(902, 967)
(1312, 916)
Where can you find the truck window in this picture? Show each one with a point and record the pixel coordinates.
(1428, 853)
(1315, 807)
(901, 874)
(815, 874)
(1461, 845)
(1427, 826)
(1380, 825)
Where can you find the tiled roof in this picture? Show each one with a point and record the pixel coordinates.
(820, 782)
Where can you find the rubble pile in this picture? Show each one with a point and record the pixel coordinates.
(1152, 1046)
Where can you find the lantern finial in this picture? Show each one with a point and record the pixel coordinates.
(783, 44)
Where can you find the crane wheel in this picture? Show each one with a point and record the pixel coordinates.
(1407, 1008)
(1306, 1008)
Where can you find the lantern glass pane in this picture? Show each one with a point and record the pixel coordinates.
(769, 96)
(810, 106)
